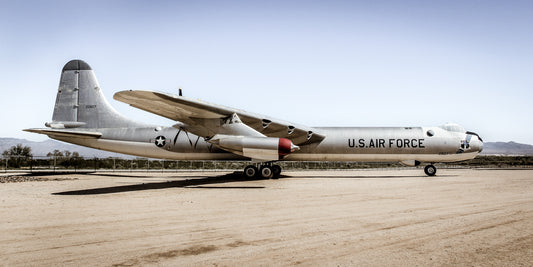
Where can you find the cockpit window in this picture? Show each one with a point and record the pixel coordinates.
(452, 127)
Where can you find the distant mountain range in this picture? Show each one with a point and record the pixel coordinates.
(44, 147)
(507, 148)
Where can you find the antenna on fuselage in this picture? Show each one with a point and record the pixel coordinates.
(180, 94)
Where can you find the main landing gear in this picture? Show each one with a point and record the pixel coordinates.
(266, 171)
(430, 170)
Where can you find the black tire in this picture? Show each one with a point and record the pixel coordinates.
(250, 171)
(266, 172)
(277, 170)
(430, 170)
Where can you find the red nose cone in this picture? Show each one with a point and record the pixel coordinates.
(285, 146)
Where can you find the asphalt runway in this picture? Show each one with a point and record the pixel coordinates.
(327, 218)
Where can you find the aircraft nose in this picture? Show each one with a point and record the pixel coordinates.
(476, 144)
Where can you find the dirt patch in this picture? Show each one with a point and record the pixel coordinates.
(23, 178)
(156, 257)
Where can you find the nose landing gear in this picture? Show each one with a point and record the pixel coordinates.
(266, 171)
(430, 170)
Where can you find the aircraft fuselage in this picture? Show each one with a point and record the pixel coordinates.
(341, 144)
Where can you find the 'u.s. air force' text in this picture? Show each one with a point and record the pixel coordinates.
(386, 143)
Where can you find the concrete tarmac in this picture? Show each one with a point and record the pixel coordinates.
(327, 218)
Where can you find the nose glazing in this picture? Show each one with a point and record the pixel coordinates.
(476, 144)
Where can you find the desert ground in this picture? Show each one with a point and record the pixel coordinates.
(327, 218)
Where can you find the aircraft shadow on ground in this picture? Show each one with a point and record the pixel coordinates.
(202, 183)
(142, 176)
(372, 176)
(208, 182)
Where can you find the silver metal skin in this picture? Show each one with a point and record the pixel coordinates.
(207, 131)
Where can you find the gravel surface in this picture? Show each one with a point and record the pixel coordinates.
(325, 218)
(24, 178)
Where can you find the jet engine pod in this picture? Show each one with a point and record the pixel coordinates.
(260, 148)
(286, 147)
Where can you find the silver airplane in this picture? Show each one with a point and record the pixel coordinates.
(205, 131)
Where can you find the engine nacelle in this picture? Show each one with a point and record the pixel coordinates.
(262, 148)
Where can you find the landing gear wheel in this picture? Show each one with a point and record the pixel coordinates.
(266, 172)
(277, 171)
(430, 170)
(250, 171)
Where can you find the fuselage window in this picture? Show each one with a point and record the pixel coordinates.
(430, 133)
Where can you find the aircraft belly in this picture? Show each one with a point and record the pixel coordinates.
(141, 142)
(380, 157)
(148, 150)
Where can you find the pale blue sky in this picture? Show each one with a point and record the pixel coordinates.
(318, 63)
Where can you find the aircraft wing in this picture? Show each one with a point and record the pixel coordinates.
(200, 117)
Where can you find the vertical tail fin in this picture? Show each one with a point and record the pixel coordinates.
(81, 103)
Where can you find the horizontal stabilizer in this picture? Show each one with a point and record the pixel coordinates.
(65, 124)
(65, 133)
